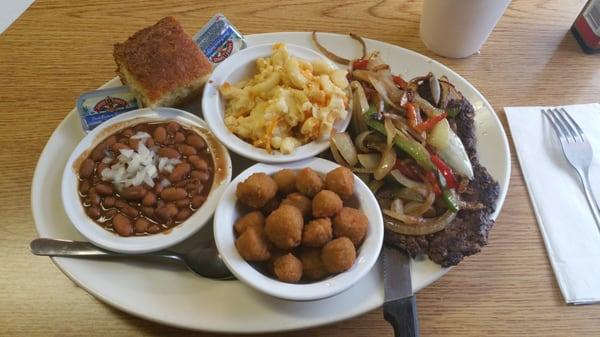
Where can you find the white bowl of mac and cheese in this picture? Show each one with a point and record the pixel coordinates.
(276, 103)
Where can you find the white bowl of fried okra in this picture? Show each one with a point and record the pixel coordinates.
(300, 231)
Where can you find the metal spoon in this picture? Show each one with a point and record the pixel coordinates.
(202, 260)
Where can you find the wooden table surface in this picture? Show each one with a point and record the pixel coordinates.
(60, 48)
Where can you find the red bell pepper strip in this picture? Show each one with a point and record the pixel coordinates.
(431, 179)
(360, 64)
(407, 170)
(401, 83)
(431, 122)
(445, 170)
(411, 114)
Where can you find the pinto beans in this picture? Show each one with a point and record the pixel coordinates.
(108, 202)
(197, 201)
(200, 175)
(133, 193)
(93, 212)
(117, 147)
(179, 138)
(104, 189)
(141, 225)
(160, 134)
(99, 168)
(153, 229)
(84, 187)
(196, 141)
(149, 207)
(162, 214)
(198, 163)
(183, 214)
(126, 209)
(149, 199)
(186, 150)
(94, 197)
(180, 171)
(86, 169)
(148, 211)
(100, 150)
(182, 203)
(122, 225)
(173, 194)
(173, 127)
(168, 152)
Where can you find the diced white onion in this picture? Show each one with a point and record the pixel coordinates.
(135, 167)
(127, 153)
(141, 135)
(397, 206)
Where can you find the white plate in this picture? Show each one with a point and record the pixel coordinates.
(147, 243)
(227, 213)
(242, 66)
(173, 296)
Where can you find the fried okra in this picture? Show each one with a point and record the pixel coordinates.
(288, 268)
(317, 232)
(253, 245)
(300, 202)
(284, 227)
(286, 181)
(312, 264)
(257, 190)
(326, 203)
(351, 223)
(340, 181)
(338, 255)
(252, 219)
(308, 182)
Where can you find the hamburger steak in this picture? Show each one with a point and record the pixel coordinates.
(468, 233)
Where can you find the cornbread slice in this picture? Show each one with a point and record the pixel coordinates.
(161, 64)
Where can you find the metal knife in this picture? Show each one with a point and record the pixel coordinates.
(399, 308)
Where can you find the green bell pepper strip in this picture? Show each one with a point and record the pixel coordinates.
(375, 185)
(365, 177)
(413, 148)
(450, 200)
(449, 197)
(453, 111)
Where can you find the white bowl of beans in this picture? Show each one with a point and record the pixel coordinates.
(145, 180)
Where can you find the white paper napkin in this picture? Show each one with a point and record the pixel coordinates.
(10, 10)
(571, 236)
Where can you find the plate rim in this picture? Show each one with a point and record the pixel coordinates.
(125, 308)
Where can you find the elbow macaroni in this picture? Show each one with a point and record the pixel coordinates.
(289, 102)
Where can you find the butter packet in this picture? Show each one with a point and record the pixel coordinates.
(96, 107)
(219, 39)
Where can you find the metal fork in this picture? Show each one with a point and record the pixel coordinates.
(576, 149)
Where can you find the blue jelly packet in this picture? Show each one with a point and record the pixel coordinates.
(219, 39)
(96, 107)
